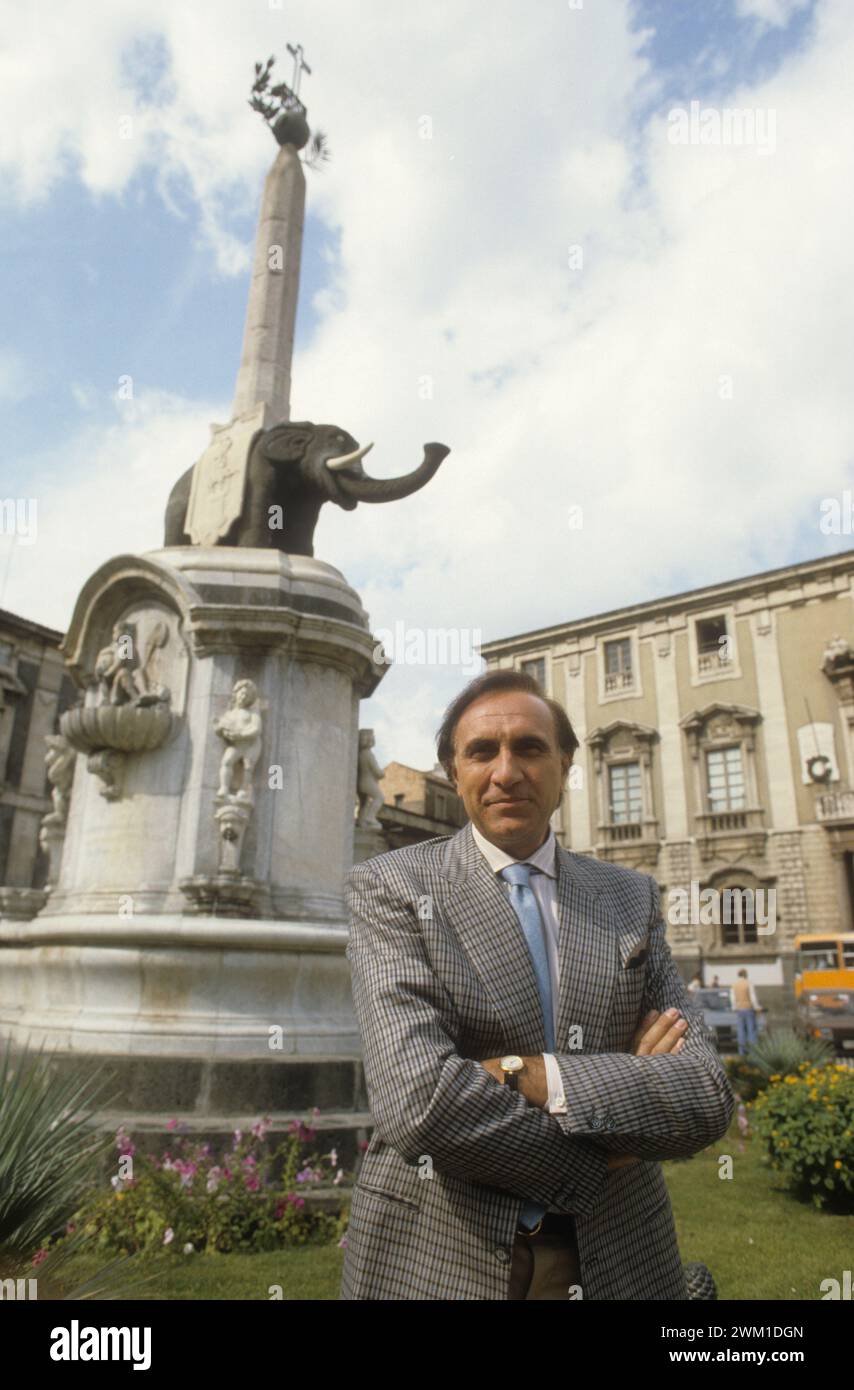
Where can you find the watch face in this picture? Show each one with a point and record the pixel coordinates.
(512, 1063)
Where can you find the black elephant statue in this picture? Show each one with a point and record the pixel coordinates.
(292, 469)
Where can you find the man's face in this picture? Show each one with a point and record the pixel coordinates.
(509, 769)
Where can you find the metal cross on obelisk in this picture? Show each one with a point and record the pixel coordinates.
(300, 66)
(264, 377)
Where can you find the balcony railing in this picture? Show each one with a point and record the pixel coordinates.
(712, 661)
(835, 808)
(729, 822)
(619, 832)
(618, 680)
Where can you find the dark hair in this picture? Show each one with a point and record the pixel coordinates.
(484, 685)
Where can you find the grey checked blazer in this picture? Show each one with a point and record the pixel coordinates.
(442, 978)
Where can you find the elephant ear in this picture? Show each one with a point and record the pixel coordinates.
(288, 443)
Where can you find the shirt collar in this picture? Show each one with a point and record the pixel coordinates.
(544, 859)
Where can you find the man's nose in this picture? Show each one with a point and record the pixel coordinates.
(506, 768)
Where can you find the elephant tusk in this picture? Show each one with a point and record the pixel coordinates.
(347, 460)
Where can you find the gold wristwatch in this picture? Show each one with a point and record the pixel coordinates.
(511, 1067)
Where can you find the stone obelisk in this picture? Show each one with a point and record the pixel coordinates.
(268, 337)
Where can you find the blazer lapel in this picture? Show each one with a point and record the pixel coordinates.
(587, 955)
(480, 914)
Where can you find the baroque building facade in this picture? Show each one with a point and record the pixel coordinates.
(34, 690)
(716, 753)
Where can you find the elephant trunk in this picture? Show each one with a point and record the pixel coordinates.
(366, 489)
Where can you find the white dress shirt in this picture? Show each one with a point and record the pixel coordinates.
(544, 885)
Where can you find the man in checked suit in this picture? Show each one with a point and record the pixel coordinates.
(475, 952)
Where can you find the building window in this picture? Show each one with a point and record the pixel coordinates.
(713, 644)
(725, 779)
(618, 664)
(738, 916)
(626, 793)
(535, 668)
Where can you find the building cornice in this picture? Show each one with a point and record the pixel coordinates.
(792, 584)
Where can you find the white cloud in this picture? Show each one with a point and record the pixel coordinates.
(553, 386)
(105, 497)
(773, 13)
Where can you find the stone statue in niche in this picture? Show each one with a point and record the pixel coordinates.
(240, 728)
(131, 712)
(369, 777)
(120, 676)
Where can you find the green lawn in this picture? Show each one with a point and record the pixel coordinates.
(756, 1239)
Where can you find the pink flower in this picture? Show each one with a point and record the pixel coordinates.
(279, 1211)
(259, 1129)
(39, 1256)
(168, 1235)
(303, 1132)
(70, 1228)
(343, 1243)
(363, 1144)
(172, 1124)
(252, 1184)
(123, 1143)
(238, 1135)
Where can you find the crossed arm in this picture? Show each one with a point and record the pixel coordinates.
(426, 1099)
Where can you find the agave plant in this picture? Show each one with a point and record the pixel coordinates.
(780, 1051)
(49, 1156)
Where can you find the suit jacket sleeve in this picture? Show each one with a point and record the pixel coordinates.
(425, 1098)
(657, 1107)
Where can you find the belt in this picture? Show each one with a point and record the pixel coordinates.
(553, 1223)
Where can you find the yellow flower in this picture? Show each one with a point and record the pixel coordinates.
(776, 1076)
(119, 1196)
(838, 1163)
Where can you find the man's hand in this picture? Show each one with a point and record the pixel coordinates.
(657, 1033)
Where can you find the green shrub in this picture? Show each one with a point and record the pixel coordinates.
(746, 1080)
(781, 1051)
(190, 1202)
(807, 1124)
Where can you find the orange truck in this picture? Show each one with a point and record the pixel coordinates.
(824, 989)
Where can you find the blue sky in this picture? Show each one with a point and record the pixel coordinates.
(446, 257)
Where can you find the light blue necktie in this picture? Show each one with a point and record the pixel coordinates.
(524, 903)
